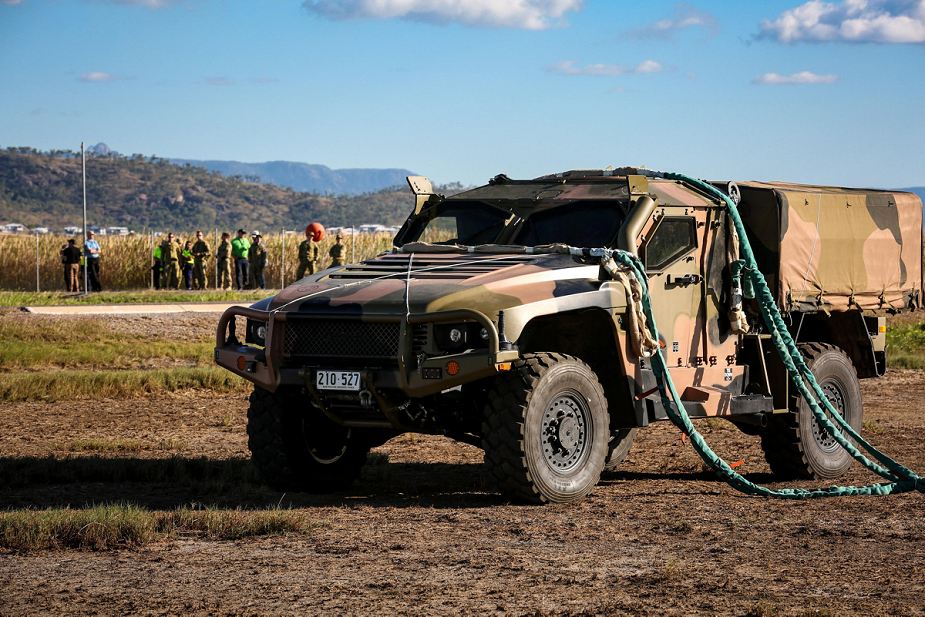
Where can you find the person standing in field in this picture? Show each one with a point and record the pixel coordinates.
(70, 257)
(239, 248)
(336, 251)
(92, 255)
(257, 255)
(157, 270)
(187, 263)
(223, 260)
(308, 256)
(201, 252)
(170, 263)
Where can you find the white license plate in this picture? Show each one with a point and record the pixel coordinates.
(338, 380)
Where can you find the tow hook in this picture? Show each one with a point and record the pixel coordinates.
(366, 398)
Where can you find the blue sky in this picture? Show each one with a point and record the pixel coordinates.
(828, 92)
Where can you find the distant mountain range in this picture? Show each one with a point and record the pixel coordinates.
(43, 188)
(918, 190)
(306, 177)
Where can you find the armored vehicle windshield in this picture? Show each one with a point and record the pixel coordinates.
(469, 223)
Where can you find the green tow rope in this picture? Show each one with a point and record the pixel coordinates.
(899, 478)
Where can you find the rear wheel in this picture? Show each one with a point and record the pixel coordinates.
(795, 445)
(295, 446)
(545, 430)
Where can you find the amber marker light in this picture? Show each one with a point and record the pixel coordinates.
(504, 366)
(452, 368)
(242, 363)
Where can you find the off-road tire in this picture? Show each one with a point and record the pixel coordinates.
(791, 442)
(296, 447)
(563, 394)
(619, 447)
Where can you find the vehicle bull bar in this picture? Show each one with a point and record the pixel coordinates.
(255, 365)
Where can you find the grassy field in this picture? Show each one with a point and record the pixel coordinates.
(906, 344)
(58, 298)
(126, 260)
(125, 526)
(102, 384)
(89, 343)
(50, 359)
(56, 359)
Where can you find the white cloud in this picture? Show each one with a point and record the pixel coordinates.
(648, 66)
(97, 76)
(524, 14)
(803, 77)
(568, 67)
(854, 21)
(686, 16)
(11, 2)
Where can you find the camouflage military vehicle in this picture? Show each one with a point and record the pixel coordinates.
(484, 326)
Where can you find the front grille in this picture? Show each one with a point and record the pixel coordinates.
(328, 338)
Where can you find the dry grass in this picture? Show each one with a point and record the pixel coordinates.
(90, 343)
(126, 260)
(107, 527)
(118, 445)
(83, 385)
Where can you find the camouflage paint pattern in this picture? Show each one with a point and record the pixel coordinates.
(822, 248)
(839, 249)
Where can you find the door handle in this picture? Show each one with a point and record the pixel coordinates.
(683, 280)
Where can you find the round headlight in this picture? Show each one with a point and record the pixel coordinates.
(483, 333)
(262, 332)
(456, 335)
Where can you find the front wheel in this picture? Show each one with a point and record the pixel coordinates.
(295, 446)
(545, 429)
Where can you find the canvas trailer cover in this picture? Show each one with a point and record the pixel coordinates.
(835, 249)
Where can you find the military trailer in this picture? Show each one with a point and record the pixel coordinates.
(485, 325)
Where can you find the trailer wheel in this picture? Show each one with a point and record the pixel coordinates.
(296, 447)
(545, 429)
(794, 444)
(619, 447)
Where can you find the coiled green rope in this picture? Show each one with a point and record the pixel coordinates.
(899, 478)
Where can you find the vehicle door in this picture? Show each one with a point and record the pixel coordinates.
(672, 250)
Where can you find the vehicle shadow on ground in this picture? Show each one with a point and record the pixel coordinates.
(692, 476)
(45, 482)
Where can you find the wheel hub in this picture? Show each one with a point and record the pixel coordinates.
(823, 438)
(566, 431)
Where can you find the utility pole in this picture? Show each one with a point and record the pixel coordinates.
(83, 167)
(37, 261)
(282, 260)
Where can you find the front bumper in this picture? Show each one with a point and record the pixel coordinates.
(414, 376)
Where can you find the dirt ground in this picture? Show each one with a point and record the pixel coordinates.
(421, 533)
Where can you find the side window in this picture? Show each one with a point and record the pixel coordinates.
(674, 237)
